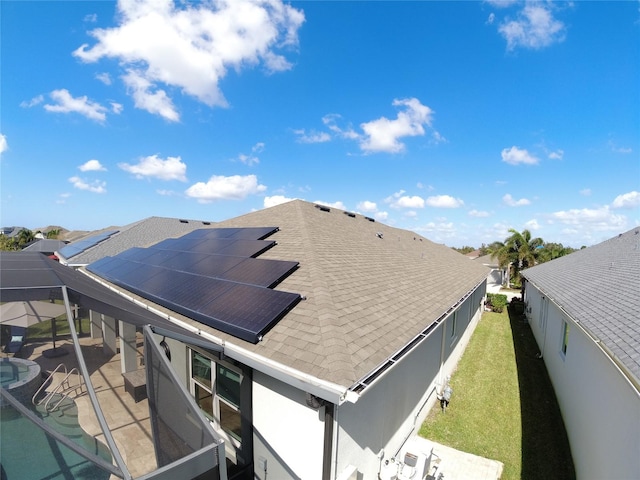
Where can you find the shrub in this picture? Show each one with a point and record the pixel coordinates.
(497, 301)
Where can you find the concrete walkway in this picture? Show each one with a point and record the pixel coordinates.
(451, 463)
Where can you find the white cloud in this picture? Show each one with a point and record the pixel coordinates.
(331, 119)
(381, 216)
(517, 156)
(4, 145)
(601, 219)
(383, 135)
(219, 187)
(276, 200)
(367, 206)
(65, 103)
(408, 202)
(511, 202)
(616, 149)
(91, 18)
(585, 192)
(33, 102)
(627, 200)
(534, 28)
(444, 201)
(116, 108)
(92, 166)
(532, 225)
(491, 18)
(501, 3)
(153, 167)
(104, 77)
(478, 213)
(191, 45)
(557, 155)
(146, 97)
(312, 136)
(252, 159)
(96, 186)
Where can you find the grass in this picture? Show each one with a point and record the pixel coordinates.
(43, 329)
(503, 406)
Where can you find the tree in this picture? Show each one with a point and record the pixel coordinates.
(24, 237)
(53, 233)
(517, 252)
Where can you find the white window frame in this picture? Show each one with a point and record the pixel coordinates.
(564, 338)
(231, 442)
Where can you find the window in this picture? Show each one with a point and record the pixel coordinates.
(453, 333)
(565, 337)
(216, 388)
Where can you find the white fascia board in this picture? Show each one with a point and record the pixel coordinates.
(329, 391)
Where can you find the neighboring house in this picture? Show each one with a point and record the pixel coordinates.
(497, 275)
(47, 246)
(345, 374)
(11, 232)
(111, 241)
(584, 311)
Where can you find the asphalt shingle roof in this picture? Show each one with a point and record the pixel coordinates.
(140, 234)
(600, 287)
(369, 288)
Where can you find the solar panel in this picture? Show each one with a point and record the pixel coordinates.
(80, 246)
(263, 272)
(210, 275)
(246, 311)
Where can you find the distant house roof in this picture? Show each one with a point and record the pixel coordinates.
(139, 234)
(46, 245)
(473, 255)
(369, 289)
(487, 260)
(600, 287)
(11, 231)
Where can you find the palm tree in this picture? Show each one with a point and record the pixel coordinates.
(526, 250)
(25, 236)
(517, 252)
(53, 233)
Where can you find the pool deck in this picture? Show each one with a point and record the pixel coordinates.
(128, 421)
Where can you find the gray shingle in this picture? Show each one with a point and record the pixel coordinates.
(600, 287)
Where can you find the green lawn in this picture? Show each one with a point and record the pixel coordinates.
(503, 406)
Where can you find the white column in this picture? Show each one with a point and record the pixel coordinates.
(96, 324)
(128, 352)
(109, 343)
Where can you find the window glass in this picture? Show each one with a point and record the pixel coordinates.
(204, 399)
(201, 369)
(228, 385)
(565, 337)
(230, 420)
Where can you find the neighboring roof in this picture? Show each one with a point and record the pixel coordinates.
(600, 287)
(11, 231)
(46, 245)
(370, 290)
(487, 260)
(139, 234)
(473, 255)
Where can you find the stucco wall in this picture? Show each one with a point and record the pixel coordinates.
(393, 409)
(600, 408)
(287, 433)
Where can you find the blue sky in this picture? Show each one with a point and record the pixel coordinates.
(457, 120)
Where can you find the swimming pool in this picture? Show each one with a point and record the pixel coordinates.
(26, 452)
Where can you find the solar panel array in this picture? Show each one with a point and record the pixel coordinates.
(80, 246)
(211, 276)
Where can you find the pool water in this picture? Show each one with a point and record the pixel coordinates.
(26, 452)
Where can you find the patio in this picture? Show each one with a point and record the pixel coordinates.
(128, 421)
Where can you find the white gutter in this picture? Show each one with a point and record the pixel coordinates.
(329, 391)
